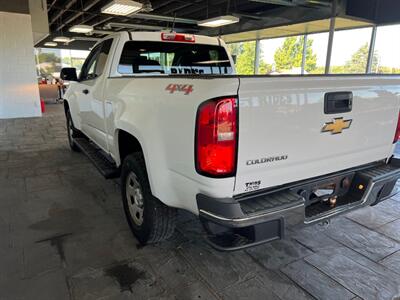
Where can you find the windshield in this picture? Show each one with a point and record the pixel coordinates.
(173, 58)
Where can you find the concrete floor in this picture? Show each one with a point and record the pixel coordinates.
(64, 236)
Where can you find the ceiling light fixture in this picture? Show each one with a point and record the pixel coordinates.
(121, 7)
(218, 21)
(81, 29)
(50, 44)
(62, 39)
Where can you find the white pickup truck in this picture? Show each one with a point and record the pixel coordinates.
(249, 155)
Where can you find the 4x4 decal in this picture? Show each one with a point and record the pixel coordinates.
(183, 88)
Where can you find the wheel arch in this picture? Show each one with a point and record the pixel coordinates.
(127, 143)
(69, 105)
(128, 139)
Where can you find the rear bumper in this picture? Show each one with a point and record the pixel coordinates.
(234, 224)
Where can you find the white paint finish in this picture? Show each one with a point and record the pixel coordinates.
(92, 110)
(285, 116)
(277, 116)
(143, 108)
(89, 113)
(19, 92)
(164, 124)
(117, 48)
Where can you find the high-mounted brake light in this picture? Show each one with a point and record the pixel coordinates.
(176, 37)
(397, 135)
(216, 137)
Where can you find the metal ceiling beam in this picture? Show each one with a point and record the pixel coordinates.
(216, 5)
(78, 14)
(102, 21)
(138, 26)
(61, 12)
(165, 3)
(319, 2)
(51, 5)
(177, 8)
(163, 18)
(277, 2)
(271, 17)
(253, 17)
(88, 19)
(132, 26)
(198, 3)
(254, 14)
(296, 2)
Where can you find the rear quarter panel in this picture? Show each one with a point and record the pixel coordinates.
(164, 124)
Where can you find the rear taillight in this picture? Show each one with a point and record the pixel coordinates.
(216, 137)
(397, 135)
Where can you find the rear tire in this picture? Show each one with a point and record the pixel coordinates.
(72, 132)
(150, 220)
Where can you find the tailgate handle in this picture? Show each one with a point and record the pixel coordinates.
(338, 102)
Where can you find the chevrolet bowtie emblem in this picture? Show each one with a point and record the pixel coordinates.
(337, 126)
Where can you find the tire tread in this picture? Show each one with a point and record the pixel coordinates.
(162, 225)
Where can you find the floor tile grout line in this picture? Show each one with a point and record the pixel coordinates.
(373, 229)
(398, 251)
(202, 279)
(378, 232)
(366, 257)
(398, 219)
(332, 279)
(304, 245)
(330, 276)
(283, 274)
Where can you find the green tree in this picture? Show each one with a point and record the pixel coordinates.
(66, 60)
(49, 58)
(385, 70)
(245, 58)
(318, 70)
(77, 62)
(49, 63)
(235, 48)
(358, 61)
(290, 54)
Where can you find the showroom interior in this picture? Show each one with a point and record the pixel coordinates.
(63, 228)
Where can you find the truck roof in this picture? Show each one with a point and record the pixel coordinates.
(156, 36)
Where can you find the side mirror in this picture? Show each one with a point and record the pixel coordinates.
(68, 74)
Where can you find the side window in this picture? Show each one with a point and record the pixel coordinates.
(88, 67)
(96, 61)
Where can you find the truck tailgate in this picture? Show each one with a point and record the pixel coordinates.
(281, 122)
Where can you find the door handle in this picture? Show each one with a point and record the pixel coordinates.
(338, 102)
(85, 91)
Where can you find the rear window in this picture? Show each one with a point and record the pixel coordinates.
(173, 58)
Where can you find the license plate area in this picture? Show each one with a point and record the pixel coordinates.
(330, 194)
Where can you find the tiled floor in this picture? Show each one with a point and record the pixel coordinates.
(64, 236)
